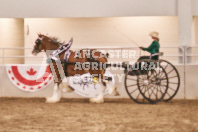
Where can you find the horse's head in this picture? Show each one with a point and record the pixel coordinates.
(39, 45)
(49, 43)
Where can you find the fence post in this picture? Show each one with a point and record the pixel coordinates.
(185, 57)
(4, 72)
(3, 56)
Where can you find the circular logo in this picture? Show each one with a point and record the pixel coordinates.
(29, 78)
(84, 85)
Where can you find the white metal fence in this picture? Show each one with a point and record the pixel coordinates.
(180, 55)
(185, 59)
(176, 55)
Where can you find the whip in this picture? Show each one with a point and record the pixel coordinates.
(126, 36)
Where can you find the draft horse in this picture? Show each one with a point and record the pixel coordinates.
(45, 43)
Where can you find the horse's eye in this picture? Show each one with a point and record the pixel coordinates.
(38, 42)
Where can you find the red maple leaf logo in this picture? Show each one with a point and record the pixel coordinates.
(31, 72)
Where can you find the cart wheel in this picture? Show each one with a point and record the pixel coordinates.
(136, 91)
(173, 78)
(132, 88)
(153, 85)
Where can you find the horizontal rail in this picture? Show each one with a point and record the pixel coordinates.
(104, 47)
(137, 49)
(109, 57)
(21, 56)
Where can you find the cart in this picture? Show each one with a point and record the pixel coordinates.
(159, 83)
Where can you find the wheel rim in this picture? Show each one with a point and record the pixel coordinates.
(174, 79)
(132, 89)
(153, 86)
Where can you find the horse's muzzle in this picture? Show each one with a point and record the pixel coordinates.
(34, 52)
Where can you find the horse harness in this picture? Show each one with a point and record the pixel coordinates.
(89, 55)
(55, 55)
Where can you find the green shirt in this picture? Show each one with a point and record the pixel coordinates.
(153, 48)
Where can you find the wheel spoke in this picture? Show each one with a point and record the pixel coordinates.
(133, 91)
(160, 89)
(141, 80)
(172, 77)
(131, 79)
(154, 76)
(156, 92)
(162, 75)
(172, 89)
(146, 89)
(166, 66)
(172, 82)
(141, 84)
(170, 71)
(164, 78)
(149, 88)
(131, 85)
(156, 87)
(137, 96)
(152, 92)
(142, 88)
(164, 81)
(168, 94)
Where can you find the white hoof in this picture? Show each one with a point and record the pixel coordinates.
(66, 88)
(110, 91)
(96, 100)
(115, 92)
(52, 100)
(70, 89)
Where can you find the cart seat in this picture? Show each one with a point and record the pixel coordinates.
(159, 54)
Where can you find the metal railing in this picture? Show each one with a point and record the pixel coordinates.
(180, 56)
(191, 55)
(176, 55)
(187, 55)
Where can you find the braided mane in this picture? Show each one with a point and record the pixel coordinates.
(53, 39)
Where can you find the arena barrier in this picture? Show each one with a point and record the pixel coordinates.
(19, 81)
(11, 88)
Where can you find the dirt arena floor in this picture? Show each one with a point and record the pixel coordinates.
(33, 115)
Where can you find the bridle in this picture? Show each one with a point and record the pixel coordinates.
(38, 43)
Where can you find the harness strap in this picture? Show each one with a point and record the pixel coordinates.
(66, 57)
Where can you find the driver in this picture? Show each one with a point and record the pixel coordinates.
(153, 48)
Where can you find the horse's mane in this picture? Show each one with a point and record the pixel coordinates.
(53, 39)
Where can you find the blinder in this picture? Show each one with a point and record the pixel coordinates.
(38, 42)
